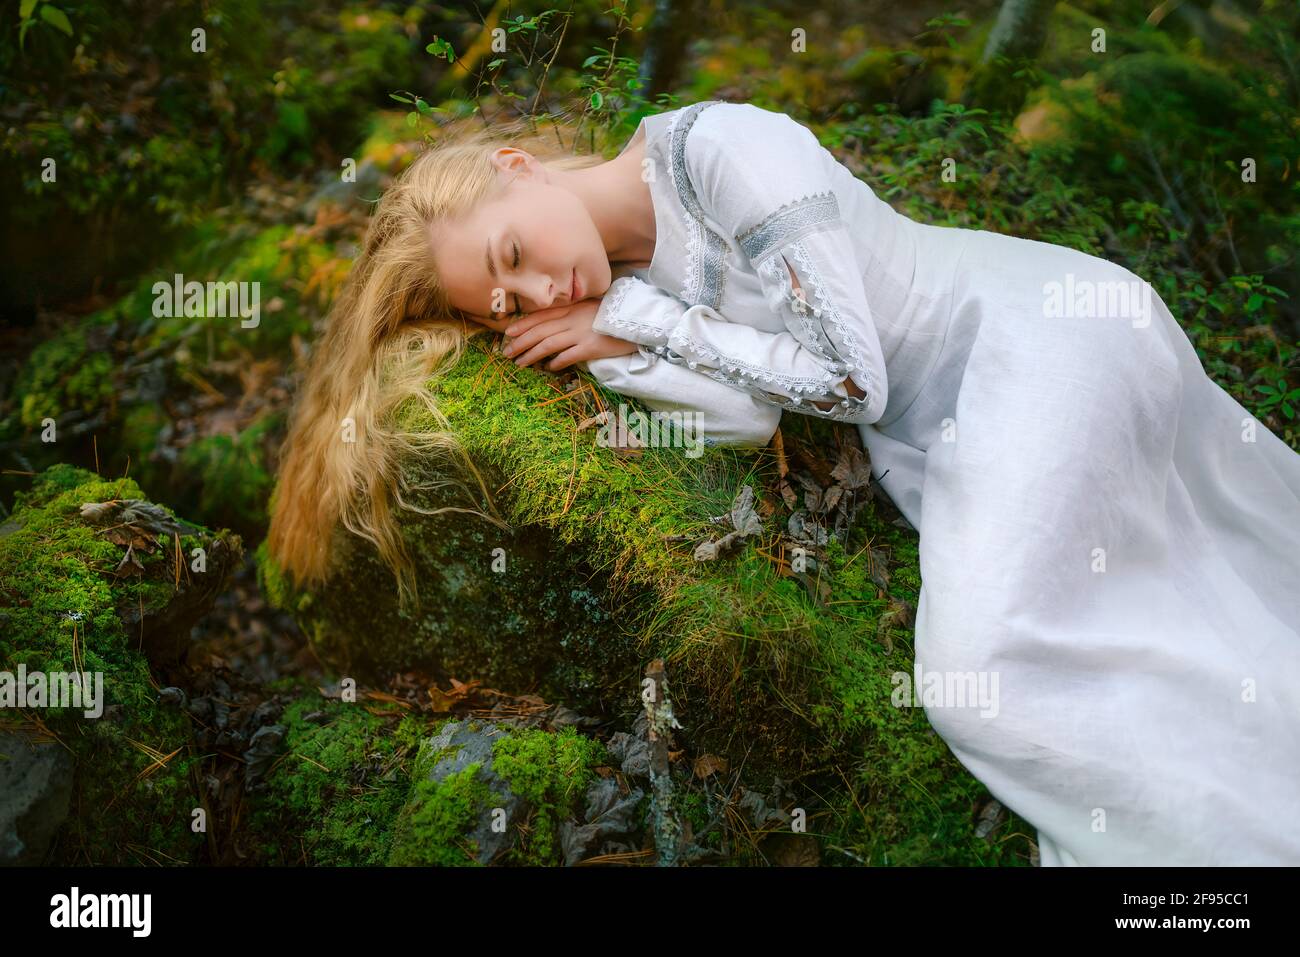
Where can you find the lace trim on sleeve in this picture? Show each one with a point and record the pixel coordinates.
(610, 315)
(750, 379)
(822, 305)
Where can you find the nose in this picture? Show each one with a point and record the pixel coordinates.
(541, 290)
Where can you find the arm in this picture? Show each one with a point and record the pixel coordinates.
(717, 414)
(771, 368)
(726, 416)
(767, 184)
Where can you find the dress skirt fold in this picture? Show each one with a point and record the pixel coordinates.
(1112, 543)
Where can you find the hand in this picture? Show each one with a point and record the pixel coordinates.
(506, 320)
(851, 387)
(563, 332)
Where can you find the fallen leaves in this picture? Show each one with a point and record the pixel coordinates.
(744, 523)
(135, 524)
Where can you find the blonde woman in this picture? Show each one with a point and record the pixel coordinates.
(1106, 536)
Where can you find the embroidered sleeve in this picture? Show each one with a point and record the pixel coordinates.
(772, 367)
(767, 183)
(711, 412)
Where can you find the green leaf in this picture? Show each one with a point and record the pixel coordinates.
(442, 48)
(492, 65)
(1254, 302)
(597, 100)
(26, 7)
(400, 98)
(1286, 408)
(56, 18)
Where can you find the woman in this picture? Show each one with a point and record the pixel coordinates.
(1104, 532)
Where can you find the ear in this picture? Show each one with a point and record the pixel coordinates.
(517, 163)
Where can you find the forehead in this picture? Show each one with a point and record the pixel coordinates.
(460, 246)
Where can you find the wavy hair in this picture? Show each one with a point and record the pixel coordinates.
(388, 337)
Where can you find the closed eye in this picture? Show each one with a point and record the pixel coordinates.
(519, 311)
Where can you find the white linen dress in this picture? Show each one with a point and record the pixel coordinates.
(1102, 527)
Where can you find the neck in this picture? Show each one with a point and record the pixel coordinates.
(619, 203)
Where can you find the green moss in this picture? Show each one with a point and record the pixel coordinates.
(62, 609)
(334, 795)
(231, 471)
(551, 771)
(275, 585)
(548, 771)
(61, 602)
(806, 685)
(439, 816)
(60, 376)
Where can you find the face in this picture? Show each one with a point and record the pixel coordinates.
(522, 249)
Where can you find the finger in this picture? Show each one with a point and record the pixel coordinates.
(548, 347)
(568, 357)
(553, 344)
(527, 340)
(518, 326)
(496, 325)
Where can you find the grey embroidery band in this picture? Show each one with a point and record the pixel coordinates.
(737, 370)
(790, 222)
(677, 153)
(844, 410)
(706, 276)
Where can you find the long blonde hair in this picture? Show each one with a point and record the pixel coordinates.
(388, 336)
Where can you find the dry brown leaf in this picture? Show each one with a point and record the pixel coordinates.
(707, 764)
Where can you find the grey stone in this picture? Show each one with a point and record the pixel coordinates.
(35, 788)
(472, 743)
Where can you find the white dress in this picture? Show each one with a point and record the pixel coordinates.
(1103, 530)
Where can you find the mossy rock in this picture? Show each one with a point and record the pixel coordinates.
(485, 793)
(68, 603)
(597, 581)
